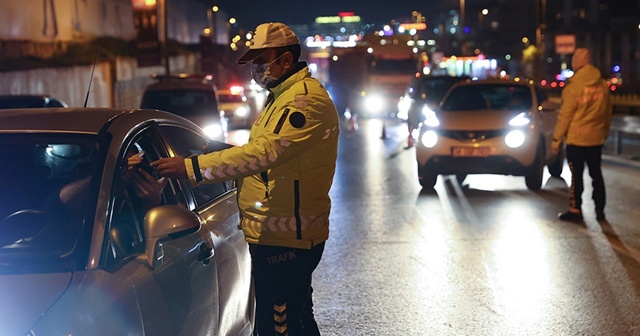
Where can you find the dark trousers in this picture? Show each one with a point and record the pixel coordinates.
(282, 282)
(577, 156)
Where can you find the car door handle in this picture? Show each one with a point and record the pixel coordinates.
(205, 254)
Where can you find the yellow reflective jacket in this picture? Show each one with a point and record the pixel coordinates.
(585, 114)
(286, 169)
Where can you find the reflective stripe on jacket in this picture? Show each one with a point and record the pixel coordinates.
(286, 169)
(585, 114)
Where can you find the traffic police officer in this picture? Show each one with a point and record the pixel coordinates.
(284, 173)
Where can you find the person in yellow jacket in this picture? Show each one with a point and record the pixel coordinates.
(584, 121)
(284, 174)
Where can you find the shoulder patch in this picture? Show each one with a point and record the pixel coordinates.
(297, 119)
(301, 101)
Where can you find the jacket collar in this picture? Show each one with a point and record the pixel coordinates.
(297, 73)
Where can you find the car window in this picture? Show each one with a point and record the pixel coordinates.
(127, 207)
(231, 98)
(183, 102)
(488, 96)
(48, 183)
(186, 143)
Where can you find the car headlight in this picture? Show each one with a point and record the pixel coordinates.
(214, 131)
(373, 103)
(521, 119)
(429, 139)
(514, 139)
(242, 111)
(430, 118)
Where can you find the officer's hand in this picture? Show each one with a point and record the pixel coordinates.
(172, 167)
(555, 147)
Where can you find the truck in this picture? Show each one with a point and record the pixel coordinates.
(369, 79)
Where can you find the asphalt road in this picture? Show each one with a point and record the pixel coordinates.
(487, 257)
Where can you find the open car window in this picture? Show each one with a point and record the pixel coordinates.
(50, 189)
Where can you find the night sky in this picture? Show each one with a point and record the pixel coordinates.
(250, 13)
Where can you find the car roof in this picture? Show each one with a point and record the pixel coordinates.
(29, 96)
(78, 120)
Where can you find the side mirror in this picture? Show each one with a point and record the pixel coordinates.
(549, 105)
(162, 221)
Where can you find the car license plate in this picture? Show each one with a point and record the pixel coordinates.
(470, 151)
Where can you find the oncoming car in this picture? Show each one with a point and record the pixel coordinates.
(489, 127)
(190, 96)
(235, 107)
(83, 253)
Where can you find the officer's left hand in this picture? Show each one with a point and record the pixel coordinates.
(172, 167)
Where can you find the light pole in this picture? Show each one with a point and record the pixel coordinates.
(484, 12)
(166, 37)
(464, 38)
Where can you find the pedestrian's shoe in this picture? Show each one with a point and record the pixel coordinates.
(600, 215)
(569, 216)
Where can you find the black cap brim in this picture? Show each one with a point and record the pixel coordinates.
(250, 55)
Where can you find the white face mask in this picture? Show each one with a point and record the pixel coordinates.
(261, 73)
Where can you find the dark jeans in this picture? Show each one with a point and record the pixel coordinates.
(282, 282)
(577, 156)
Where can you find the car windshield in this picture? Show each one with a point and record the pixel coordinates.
(231, 98)
(45, 183)
(488, 96)
(431, 89)
(21, 102)
(186, 103)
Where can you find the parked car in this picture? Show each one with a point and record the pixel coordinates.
(489, 126)
(30, 101)
(78, 257)
(194, 97)
(236, 108)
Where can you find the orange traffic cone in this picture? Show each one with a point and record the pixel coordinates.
(410, 141)
(353, 123)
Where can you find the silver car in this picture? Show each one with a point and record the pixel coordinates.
(489, 126)
(80, 254)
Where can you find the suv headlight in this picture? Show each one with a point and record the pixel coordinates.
(430, 118)
(521, 119)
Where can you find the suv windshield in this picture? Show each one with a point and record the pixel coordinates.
(183, 102)
(45, 185)
(431, 89)
(488, 96)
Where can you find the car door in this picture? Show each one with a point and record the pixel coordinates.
(177, 293)
(217, 206)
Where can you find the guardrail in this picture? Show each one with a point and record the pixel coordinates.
(621, 125)
(626, 103)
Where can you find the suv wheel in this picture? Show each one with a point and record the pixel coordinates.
(533, 176)
(427, 179)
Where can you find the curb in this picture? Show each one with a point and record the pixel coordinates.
(621, 160)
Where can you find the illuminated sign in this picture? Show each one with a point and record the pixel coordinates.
(338, 19)
(565, 44)
(416, 26)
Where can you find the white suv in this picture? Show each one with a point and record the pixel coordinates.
(489, 127)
